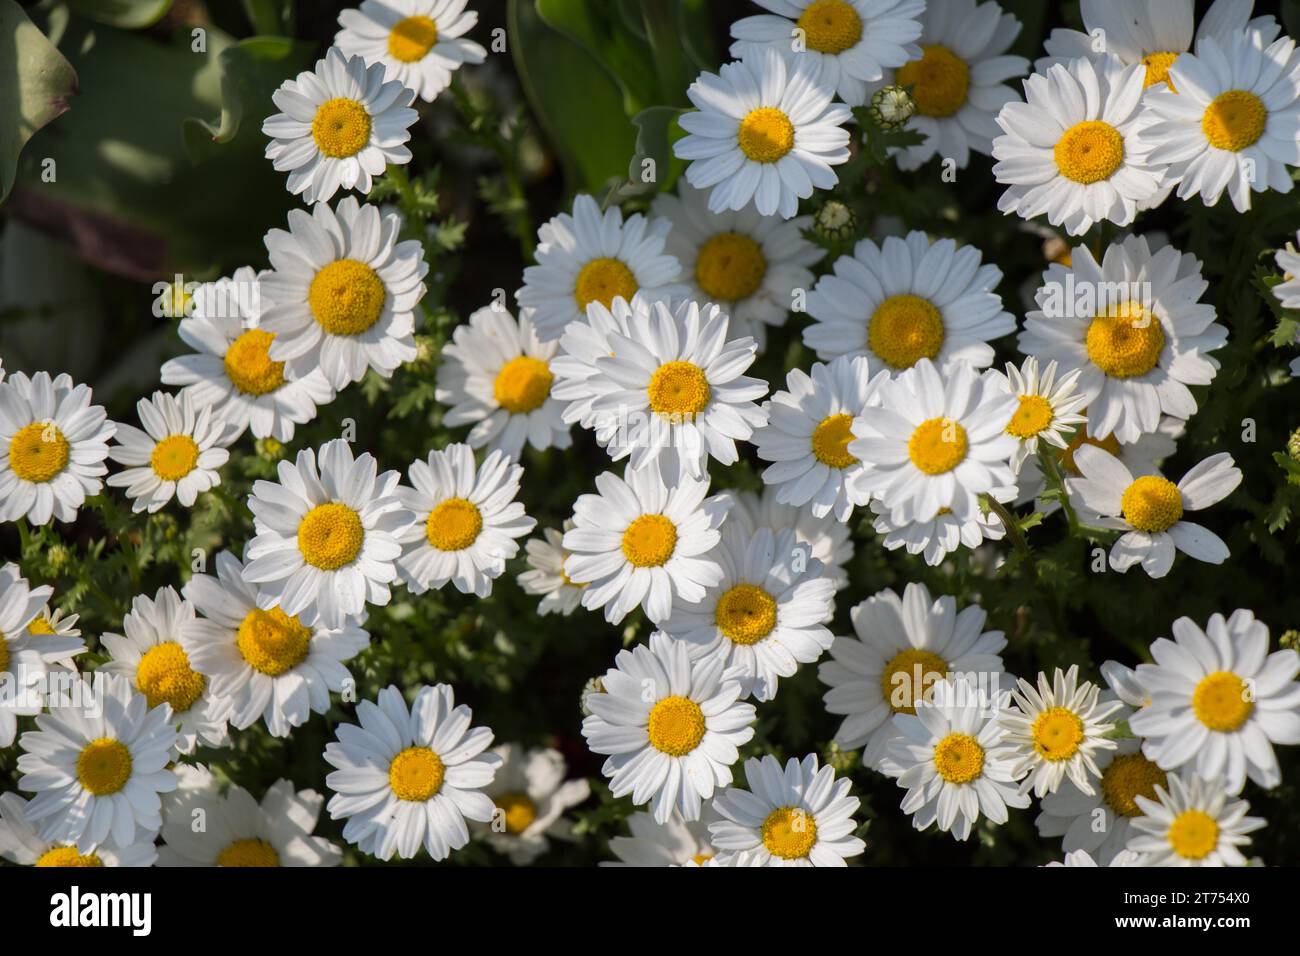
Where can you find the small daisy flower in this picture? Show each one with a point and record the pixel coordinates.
(1192, 822)
(176, 455)
(1219, 701)
(53, 443)
(466, 521)
(906, 300)
(578, 381)
(545, 575)
(58, 624)
(21, 844)
(343, 292)
(935, 538)
(341, 124)
(531, 796)
(764, 131)
(27, 651)
(327, 536)
(670, 727)
(496, 376)
(588, 257)
(1049, 408)
(826, 539)
(97, 763)
(1287, 292)
(420, 43)
(266, 663)
(675, 842)
(1149, 509)
(796, 816)
(636, 542)
(410, 776)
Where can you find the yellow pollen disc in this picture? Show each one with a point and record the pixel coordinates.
(416, 774)
(830, 26)
(1032, 416)
(1222, 701)
(1110, 444)
(341, 127)
(412, 38)
(523, 384)
(940, 81)
(679, 389)
(1129, 776)
(346, 297)
(67, 856)
(40, 625)
(649, 541)
(1057, 734)
(164, 675)
(1152, 503)
(1194, 834)
(249, 852)
(937, 446)
(1065, 258)
(38, 452)
(174, 457)
(745, 614)
(519, 811)
(453, 525)
(676, 726)
(248, 363)
(901, 694)
(603, 281)
(789, 833)
(959, 758)
(701, 858)
(905, 329)
(1125, 341)
(830, 441)
(1158, 65)
(1234, 120)
(730, 267)
(1089, 152)
(271, 641)
(104, 766)
(4, 654)
(330, 536)
(766, 134)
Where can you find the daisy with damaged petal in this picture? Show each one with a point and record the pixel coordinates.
(545, 575)
(27, 651)
(906, 300)
(825, 539)
(937, 537)
(97, 762)
(593, 257)
(670, 727)
(531, 796)
(327, 536)
(266, 663)
(410, 776)
(176, 455)
(420, 43)
(343, 292)
(764, 131)
(20, 843)
(1049, 408)
(496, 375)
(1192, 822)
(1220, 701)
(675, 842)
(341, 125)
(466, 521)
(902, 648)
(53, 443)
(796, 816)
(637, 542)
(1149, 509)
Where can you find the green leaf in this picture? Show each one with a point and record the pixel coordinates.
(657, 130)
(271, 17)
(123, 14)
(595, 26)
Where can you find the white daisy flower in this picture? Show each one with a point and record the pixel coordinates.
(56, 623)
(906, 300)
(636, 542)
(826, 539)
(578, 381)
(1073, 151)
(341, 124)
(413, 775)
(545, 575)
(531, 796)
(937, 537)
(796, 816)
(764, 131)
(851, 42)
(327, 538)
(266, 663)
(231, 370)
(343, 292)
(53, 443)
(1049, 408)
(496, 376)
(1234, 122)
(1219, 701)
(1136, 327)
(902, 648)
(675, 842)
(466, 521)
(1084, 859)
(1125, 684)
(1287, 291)
(1193, 822)
(97, 762)
(176, 455)
(747, 263)
(420, 43)
(1149, 509)
(27, 651)
(670, 727)
(21, 844)
(589, 257)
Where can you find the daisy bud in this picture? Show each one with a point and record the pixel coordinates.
(841, 760)
(1290, 640)
(835, 221)
(891, 107)
(269, 448)
(1293, 445)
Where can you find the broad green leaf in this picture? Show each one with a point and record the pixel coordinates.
(657, 130)
(123, 14)
(271, 17)
(596, 26)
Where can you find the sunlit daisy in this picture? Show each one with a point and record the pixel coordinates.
(937, 537)
(27, 650)
(176, 455)
(1192, 822)
(827, 539)
(21, 844)
(1049, 408)
(531, 796)
(675, 842)
(545, 575)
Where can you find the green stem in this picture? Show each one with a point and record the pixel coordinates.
(1057, 482)
(1009, 522)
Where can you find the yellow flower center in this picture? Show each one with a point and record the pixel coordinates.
(1057, 734)
(1194, 834)
(920, 671)
(330, 536)
(1125, 341)
(271, 641)
(4, 653)
(745, 614)
(789, 833)
(341, 127)
(940, 80)
(164, 675)
(411, 38)
(523, 384)
(416, 774)
(250, 852)
(1110, 444)
(67, 856)
(174, 457)
(38, 452)
(1129, 776)
(701, 858)
(346, 297)
(649, 541)
(604, 280)
(453, 525)
(104, 766)
(676, 726)
(830, 441)
(40, 625)
(830, 26)
(248, 363)
(730, 267)
(1158, 65)
(1152, 503)
(905, 329)
(1222, 701)
(937, 446)
(959, 758)
(679, 390)
(519, 811)
(1089, 152)
(1032, 416)
(1234, 120)
(766, 134)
